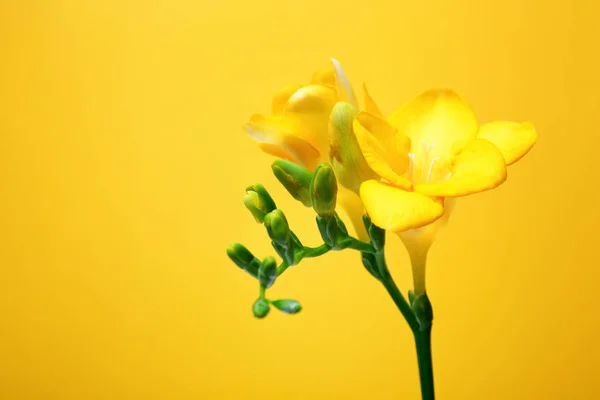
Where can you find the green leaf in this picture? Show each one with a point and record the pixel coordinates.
(287, 306)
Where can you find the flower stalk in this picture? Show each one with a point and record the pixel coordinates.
(401, 174)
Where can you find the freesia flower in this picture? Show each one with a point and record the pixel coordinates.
(297, 129)
(429, 152)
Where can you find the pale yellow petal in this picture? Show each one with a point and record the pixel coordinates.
(352, 205)
(282, 97)
(384, 148)
(370, 105)
(308, 110)
(325, 77)
(398, 210)
(344, 88)
(275, 132)
(480, 166)
(513, 139)
(345, 154)
(277, 151)
(437, 119)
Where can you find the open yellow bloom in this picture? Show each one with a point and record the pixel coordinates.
(430, 149)
(427, 153)
(297, 129)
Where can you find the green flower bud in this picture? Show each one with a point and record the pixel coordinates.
(258, 201)
(421, 306)
(295, 179)
(376, 234)
(287, 306)
(323, 190)
(260, 308)
(242, 257)
(277, 227)
(267, 272)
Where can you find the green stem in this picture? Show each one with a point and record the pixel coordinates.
(282, 267)
(363, 247)
(394, 292)
(422, 337)
(309, 252)
(423, 343)
(262, 292)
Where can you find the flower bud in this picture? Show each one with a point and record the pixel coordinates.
(277, 227)
(346, 156)
(287, 306)
(242, 257)
(258, 201)
(295, 179)
(260, 308)
(323, 190)
(267, 272)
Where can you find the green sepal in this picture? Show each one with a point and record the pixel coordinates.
(242, 257)
(370, 263)
(286, 251)
(295, 178)
(267, 272)
(376, 234)
(333, 231)
(260, 308)
(323, 190)
(422, 309)
(411, 296)
(258, 201)
(287, 306)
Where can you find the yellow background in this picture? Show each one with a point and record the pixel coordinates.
(123, 165)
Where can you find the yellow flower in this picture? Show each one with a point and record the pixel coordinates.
(427, 153)
(297, 129)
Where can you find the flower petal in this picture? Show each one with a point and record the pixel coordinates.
(370, 105)
(345, 154)
(384, 148)
(282, 97)
(480, 166)
(354, 208)
(439, 119)
(273, 132)
(308, 109)
(325, 77)
(344, 88)
(513, 139)
(397, 210)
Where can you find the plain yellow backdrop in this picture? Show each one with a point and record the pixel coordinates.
(123, 165)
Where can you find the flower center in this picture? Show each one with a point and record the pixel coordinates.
(427, 165)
